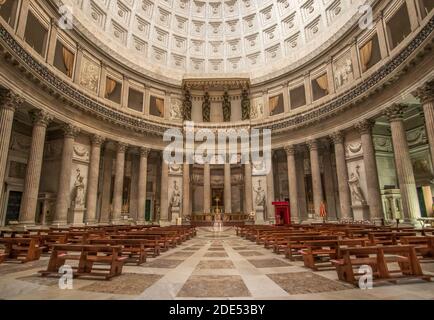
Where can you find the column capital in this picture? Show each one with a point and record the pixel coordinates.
(425, 93)
(40, 118)
(121, 147)
(395, 112)
(144, 152)
(70, 131)
(365, 126)
(312, 144)
(337, 137)
(97, 140)
(10, 100)
(290, 150)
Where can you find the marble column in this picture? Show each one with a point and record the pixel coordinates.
(8, 104)
(301, 185)
(164, 197)
(29, 200)
(142, 183)
(404, 167)
(292, 181)
(269, 211)
(426, 97)
(227, 188)
(92, 182)
(119, 183)
(374, 193)
(64, 184)
(106, 186)
(318, 196)
(342, 173)
(248, 187)
(207, 188)
(186, 208)
(329, 181)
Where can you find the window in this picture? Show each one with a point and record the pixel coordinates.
(276, 105)
(64, 59)
(156, 107)
(297, 97)
(8, 11)
(113, 90)
(36, 34)
(370, 53)
(135, 100)
(398, 27)
(320, 87)
(426, 7)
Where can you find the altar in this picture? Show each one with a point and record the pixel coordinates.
(282, 213)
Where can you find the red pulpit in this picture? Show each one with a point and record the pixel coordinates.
(282, 213)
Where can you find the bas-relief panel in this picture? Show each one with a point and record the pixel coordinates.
(343, 70)
(81, 152)
(89, 74)
(176, 109)
(257, 110)
(20, 143)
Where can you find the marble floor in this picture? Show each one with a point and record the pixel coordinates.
(210, 266)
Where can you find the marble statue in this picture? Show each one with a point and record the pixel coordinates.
(356, 190)
(226, 107)
(245, 105)
(206, 108)
(79, 190)
(175, 200)
(176, 110)
(187, 105)
(260, 195)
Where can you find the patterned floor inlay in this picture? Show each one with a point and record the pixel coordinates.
(128, 283)
(12, 267)
(42, 281)
(307, 282)
(269, 263)
(215, 264)
(216, 249)
(250, 253)
(240, 248)
(216, 255)
(180, 254)
(163, 263)
(214, 286)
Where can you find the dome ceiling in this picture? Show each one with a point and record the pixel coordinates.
(170, 39)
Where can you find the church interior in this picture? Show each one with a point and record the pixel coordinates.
(216, 149)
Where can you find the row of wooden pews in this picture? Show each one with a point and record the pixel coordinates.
(393, 253)
(92, 251)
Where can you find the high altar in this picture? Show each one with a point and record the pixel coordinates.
(282, 213)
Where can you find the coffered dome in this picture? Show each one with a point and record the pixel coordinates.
(171, 38)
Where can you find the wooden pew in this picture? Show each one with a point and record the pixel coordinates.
(87, 256)
(378, 258)
(135, 250)
(2, 257)
(22, 249)
(424, 245)
(388, 238)
(47, 241)
(295, 244)
(154, 243)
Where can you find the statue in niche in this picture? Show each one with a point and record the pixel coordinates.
(245, 105)
(260, 195)
(187, 104)
(356, 190)
(226, 107)
(175, 199)
(206, 108)
(79, 190)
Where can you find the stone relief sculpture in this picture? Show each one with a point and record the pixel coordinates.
(245, 105)
(187, 105)
(81, 152)
(257, 111)
(175, 168)
(89, 75)
(175, 199)
(226, 107)
(260, 195)
(79, 190)
(176, 110)
(356, 190)
(206, 108)
(343, 72)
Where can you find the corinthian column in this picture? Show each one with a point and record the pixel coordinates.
(186, 189)
(374, 194)
(227, 187)
(206, 188)
(119, 182)
(64, 184)
(342, 173)
(248, 187)
(318, 196)
(426, 96)
(41, 119)
(142, 182)
(92, 182)
(292, 181)
(164, 200)
(8, 104)
(404, 168)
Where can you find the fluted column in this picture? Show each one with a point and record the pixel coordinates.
(329, 181)
(426, 96)
(186, 211)
(41, 119)
(318, 196)
(64, 183)
(374, 193)
(248, 187)
(92, 181)
(164, 200)
(142, 182)
(342, 173)
(207, 188)
(404, 167)
(106, 185)
(8, 104)
(119, 182)
(292, 181)
(227, 188)
(269, 211)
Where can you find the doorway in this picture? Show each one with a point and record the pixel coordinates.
(13, 208)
